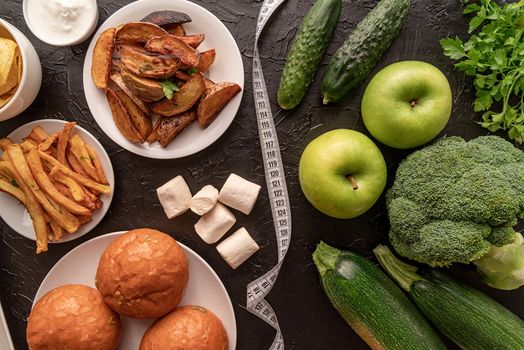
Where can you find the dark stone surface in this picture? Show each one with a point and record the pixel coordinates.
(307, 319)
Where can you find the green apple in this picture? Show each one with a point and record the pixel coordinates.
(342, 173)
(407, 104)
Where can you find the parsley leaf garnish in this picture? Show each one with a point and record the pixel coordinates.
(168, 87)
(192, 71)
(14, 183)
(494, 57)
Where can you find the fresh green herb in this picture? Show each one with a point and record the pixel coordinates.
(169, 88)
(85, 158)
(495, 58)
(14, 183)
(192, 71)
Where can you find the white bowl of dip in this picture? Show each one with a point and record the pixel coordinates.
(31, 73)
(61, 22)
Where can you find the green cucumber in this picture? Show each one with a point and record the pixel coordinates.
(371, 303)
(307, 50)
(362, 49)
(465, 315)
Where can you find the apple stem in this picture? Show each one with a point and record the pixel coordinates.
(353, 182)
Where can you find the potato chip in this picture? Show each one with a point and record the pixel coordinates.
(8, 65)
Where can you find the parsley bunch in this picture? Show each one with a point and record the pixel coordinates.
(495, 57)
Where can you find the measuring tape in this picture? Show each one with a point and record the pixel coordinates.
(258, 289)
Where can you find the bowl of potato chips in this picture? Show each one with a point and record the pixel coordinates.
(20, 71)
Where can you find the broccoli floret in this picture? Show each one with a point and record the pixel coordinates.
(454, 200)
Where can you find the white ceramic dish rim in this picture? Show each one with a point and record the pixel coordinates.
(109, 173)
(71, 42)
(24, 62)
(147, 151)
(232, 337)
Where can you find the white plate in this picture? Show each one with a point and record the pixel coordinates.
(15, 214)
(204, 288)
(227, 67)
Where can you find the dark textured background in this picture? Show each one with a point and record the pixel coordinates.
(307, 319)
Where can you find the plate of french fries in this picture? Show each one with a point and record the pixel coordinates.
(56, 181)
(163, 79)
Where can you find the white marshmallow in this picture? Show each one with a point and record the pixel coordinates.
(213, 225)
(239, 193)
(237, 248)
(174, 197)
(204, 200)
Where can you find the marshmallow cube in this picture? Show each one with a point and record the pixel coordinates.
(204, 200)
(237, 248)
(213, 225)
(239, 193)
(174, 197)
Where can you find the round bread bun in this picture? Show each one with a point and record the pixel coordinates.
(73, 316)
(143, 274)
(187, 328)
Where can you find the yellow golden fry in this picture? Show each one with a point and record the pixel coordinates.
(6, 168)
(96, 162)
(68, 222)
(84, 219)
(63, 141)
(57, 166)
(33, 160)
(58, 232)
(35, 211)
(44, 146)
(28, 145)
(75, 164)
(4, 142)
(77, 147)
(14, 191)
(68, 216)
(38, 134)
(72, 186)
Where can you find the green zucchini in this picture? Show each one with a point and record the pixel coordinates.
(465, 315)
(371, 303)
(307, 50)
(362, 49)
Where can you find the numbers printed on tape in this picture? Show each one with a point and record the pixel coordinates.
(276, 185)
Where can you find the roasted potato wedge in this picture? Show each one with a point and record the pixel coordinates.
(193, 40)
(122, 118)
(146, 89)
(166, 18)
(137, 32)
(141, 122)
(206, 60)
(153, 136)
(116, 77)
(170, 127)
(102, 56)
(182, 100)
(176, 29)
(182, 75)
(146, 65)
(215, 99)
(172, 45)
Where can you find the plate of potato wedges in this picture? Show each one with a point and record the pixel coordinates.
(163, 79)
(56, 181)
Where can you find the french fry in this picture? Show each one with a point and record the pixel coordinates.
(73, 187)
(63, 141)
(11, 189)
(38, 134)
(33, 160)
(57, 231)
(35, 210)
(57, 166)
(68, 222)
(28, 145)
(48, 142)
(75, 164)
(77, 147)
(6, 169)
(84, 219)
(96, 162)
(4, 142)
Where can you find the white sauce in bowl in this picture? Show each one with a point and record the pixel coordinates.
(61, 22)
